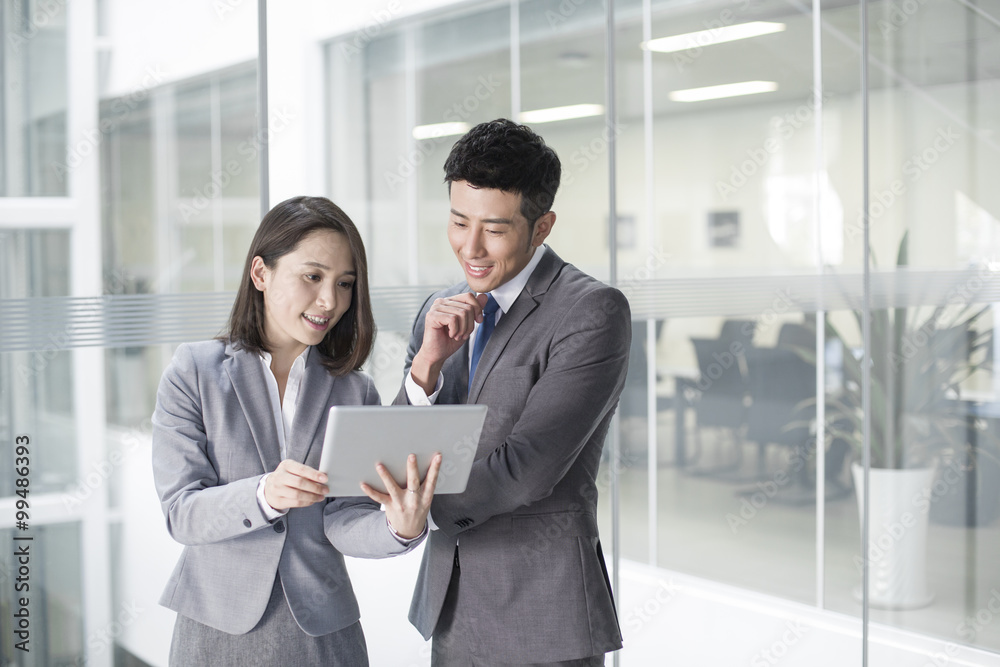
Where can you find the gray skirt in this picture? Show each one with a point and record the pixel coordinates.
(276, 640)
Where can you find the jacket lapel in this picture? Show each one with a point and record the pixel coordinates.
(538, 283)
(313, 404)
(247, 376)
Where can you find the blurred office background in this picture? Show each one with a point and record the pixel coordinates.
(720, 184)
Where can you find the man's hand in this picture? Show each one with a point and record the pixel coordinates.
(294, 484)
(406, 509)
(448, 324)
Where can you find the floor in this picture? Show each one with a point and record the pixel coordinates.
(669, 618)
(721, 593)
(751, 534)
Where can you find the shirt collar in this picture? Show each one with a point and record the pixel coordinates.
(300, 361)
(506, 294)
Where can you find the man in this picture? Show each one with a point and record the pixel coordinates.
(514, 572)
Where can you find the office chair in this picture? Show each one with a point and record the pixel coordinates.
(782, 411)
(719, 395)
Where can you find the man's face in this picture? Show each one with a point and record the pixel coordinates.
(490, 237)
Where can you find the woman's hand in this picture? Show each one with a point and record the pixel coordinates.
(294, 484)
(406, 509)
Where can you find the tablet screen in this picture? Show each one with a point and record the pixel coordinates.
(358, 437)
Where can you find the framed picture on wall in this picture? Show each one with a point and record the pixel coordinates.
(723, 229)
(625, 231)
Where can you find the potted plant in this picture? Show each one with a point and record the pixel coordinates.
(920, 357)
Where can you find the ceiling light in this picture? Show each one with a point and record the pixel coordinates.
(730, 33)
(436, 130)
(561, 113)
(725, 90)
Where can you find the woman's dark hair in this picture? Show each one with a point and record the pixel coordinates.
(347, 345)
(504, 155)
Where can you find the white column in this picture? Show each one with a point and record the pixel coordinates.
(88, 363)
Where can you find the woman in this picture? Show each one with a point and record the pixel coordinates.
(237, 436)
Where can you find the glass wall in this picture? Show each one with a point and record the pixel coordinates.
(33, 145)
(741, 134)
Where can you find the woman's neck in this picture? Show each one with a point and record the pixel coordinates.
(281, 365)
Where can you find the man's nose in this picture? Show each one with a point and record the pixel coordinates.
(473, 244)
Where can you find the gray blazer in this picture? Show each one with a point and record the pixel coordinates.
(531, 560)
(213, 438)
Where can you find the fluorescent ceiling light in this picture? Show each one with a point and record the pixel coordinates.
(725, 90)
(439, 130)
(561, 113)
(729, 33)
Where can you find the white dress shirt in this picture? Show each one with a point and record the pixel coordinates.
(283, 412)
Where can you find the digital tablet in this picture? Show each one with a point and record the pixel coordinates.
(359, 436)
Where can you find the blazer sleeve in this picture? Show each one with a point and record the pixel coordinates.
(356, 526)
(416, 338)
(583, 378)
(198, 509)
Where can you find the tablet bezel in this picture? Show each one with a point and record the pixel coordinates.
(359, 436)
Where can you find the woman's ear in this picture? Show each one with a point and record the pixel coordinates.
(258, 272)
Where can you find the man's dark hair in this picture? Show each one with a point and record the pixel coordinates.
(504, 155)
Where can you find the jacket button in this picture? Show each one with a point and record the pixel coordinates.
(279, 527)
(246, 522)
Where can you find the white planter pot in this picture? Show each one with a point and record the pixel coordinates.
(897, 536)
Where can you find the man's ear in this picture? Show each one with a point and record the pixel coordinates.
(542, 228)
(258, 271)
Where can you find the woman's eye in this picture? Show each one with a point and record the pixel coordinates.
(346, 285)
(312, 276)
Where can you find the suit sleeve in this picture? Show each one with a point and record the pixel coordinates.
(355, 525)
(580, 384)
(198, 509)
(416, 338)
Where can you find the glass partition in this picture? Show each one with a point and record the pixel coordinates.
(34, 155)
(934, 113)
(742, 137)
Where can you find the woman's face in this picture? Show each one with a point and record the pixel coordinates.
(306, 292)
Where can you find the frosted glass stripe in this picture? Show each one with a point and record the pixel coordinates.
(149, 319)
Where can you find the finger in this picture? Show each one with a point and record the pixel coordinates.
(302, 470)
(465, 302)
(297, 487)
(390, 483)
(280, 497)
(456, 324)
(377, 496)
(478, 302)
(459, 316)
(481, 300)
(412, 473)
(461, 304)
(295, 483)
(430, 481)
(467, 298)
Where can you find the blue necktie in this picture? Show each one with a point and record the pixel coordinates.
(483, 334)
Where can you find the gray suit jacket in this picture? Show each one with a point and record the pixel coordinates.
(530, 556)
(213, 438)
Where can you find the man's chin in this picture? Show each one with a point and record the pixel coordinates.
(479, 285)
